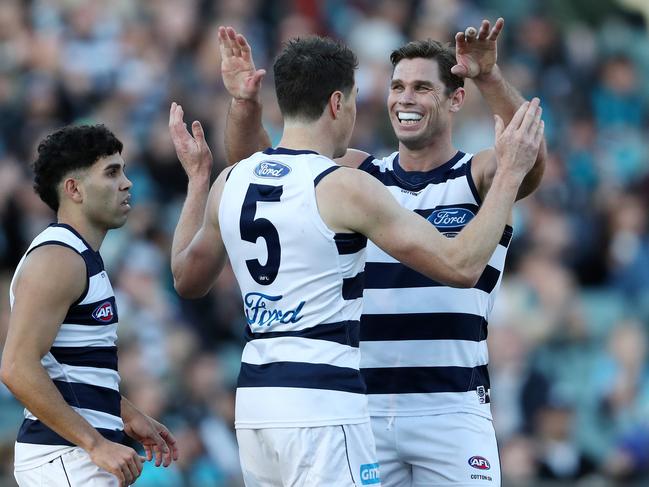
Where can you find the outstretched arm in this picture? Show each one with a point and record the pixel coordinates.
(244, 132)
(352, 200)
(197, 251)
(476, 53)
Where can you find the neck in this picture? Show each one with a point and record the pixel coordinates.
(423, 159)
(94, 236)
(307, 136)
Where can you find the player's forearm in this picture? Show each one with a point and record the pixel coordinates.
(474, 245)
(244, 131)
(32, 386)
(503, 99)
(190, 221)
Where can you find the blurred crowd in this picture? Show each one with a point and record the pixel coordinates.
(568, 335)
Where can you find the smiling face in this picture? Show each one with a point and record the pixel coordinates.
(104, 192)
(419, 104)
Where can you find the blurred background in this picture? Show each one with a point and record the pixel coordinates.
(568, 336)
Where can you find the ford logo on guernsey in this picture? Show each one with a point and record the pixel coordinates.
(370, 474)
(270, 169)
(450, 217)
(481, 463)
(103, 312)
(258, 312)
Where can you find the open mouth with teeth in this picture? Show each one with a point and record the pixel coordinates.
(127, 202)
(409, 118)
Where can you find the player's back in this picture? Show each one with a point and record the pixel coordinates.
(302, 287)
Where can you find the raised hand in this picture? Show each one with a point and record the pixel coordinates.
(123, 462)
(475, 50)
(193, 152)
(240, 77)
(517, 145)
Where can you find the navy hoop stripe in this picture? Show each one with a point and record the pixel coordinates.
(423, 326)
(302, 375)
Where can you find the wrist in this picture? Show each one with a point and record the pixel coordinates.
(199, 181)
(128, 410)
(508, 179)
(91, 441)
(253, 102)
(493, 77)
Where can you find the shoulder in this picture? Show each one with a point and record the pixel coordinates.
(348, 182)
(483, 169)
(353, 158)
(44, 262)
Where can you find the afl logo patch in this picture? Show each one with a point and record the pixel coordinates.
(103, 312)
(271, 169)
(481, 463)
(450, 217)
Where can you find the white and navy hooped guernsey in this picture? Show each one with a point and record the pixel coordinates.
(82, 361)
(302, 287)
(423, 344)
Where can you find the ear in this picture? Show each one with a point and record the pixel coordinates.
(457, 99)
(72, 189)
(335, 104)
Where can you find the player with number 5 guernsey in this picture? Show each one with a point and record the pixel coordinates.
(295, 226)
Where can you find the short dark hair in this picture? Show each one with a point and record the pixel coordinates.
(68, 149)
(308, 71)
(444, 54)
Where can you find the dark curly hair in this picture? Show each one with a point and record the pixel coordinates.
(68, 149)
(444, 54)
(308, 71)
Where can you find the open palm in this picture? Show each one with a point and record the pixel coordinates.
(240, 77)
(476, 51)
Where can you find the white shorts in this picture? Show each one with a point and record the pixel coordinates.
(457, 449)
(72, 469)
(326, 456)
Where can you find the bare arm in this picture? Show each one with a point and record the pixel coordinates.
(197, 251)
(353, 201)
(244, 132)
(476, 52)
(32, 330)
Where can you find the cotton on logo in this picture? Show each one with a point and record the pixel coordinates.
(104, 312)
(480, 463)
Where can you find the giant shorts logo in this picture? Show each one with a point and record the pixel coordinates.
(370, 474)
(258, 312)
(450, 217)
(481, 463)
(271, 169)
(103, 312)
